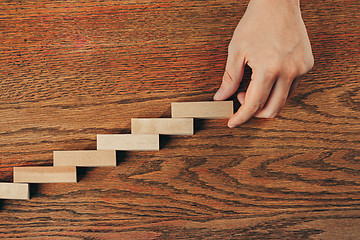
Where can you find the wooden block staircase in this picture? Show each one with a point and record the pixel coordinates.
(144, 137)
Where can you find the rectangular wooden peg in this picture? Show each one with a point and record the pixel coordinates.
(165, 126)
(203, 110)
(17, 191)
(86, 158)
(45, 174)
(128, 142)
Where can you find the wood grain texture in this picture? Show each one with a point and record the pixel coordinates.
(72, 69)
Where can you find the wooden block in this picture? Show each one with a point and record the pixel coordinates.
(89, 158)
(204, 110)
(165, 126)
(128, 142)
(18, 191)
(45, 174)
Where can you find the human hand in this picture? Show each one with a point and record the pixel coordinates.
(271, 38)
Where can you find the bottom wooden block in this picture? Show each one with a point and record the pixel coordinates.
(18, 191)
(45, 174)
(88, 158)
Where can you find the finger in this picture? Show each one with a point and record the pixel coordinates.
(255, 98)
(294, 85)
(277, 99)
(241, 97)
(233, 74)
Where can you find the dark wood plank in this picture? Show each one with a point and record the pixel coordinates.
(71, 70)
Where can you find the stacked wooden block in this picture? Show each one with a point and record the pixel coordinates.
(144, 137)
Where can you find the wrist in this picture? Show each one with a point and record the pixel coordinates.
(290, 6)
(294, 3)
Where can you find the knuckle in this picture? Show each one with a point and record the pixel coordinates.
(254, 108)
(291, 73)
(272, 70)
(235, 48)
(290, 70)
(303, 68)
(306, 65)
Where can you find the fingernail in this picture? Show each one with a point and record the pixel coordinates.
(231, 124)
(218, 94)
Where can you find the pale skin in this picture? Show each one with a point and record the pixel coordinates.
(270, 38)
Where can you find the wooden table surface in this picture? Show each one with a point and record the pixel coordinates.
(72, 69)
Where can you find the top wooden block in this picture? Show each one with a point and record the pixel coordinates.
(18, 191)
(203, 110)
